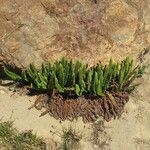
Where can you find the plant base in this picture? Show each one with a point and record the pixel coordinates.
(90, 109)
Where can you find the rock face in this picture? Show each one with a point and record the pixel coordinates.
(44, 30)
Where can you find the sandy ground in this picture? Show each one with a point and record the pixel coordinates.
(130, 132)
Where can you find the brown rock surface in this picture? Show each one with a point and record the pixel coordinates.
(37, 30)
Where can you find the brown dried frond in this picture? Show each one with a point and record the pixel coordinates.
(90, 109)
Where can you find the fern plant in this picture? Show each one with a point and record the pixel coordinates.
(66, 76)
(127, 73)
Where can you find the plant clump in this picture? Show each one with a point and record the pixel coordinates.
(67, 78)
(10, 138)
(71, 140)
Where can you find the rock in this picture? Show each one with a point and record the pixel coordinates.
(37, 31)
(121, 20)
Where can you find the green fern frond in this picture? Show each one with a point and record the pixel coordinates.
(58, 86)
(77, 90)
(12, 75)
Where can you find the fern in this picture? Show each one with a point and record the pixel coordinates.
(64, 76)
